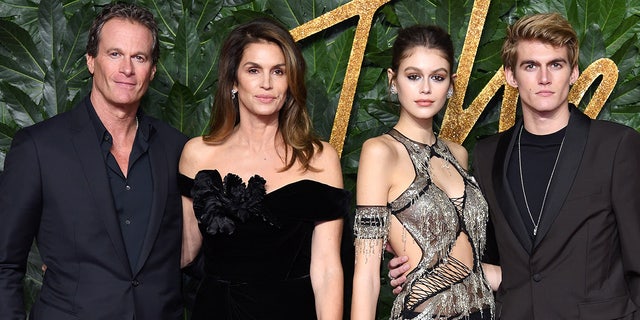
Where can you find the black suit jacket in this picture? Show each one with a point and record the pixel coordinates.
(584, 263)
(55, 187)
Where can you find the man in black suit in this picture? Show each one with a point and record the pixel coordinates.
(97, 187)
(563, 190)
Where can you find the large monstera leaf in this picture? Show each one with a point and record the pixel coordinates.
(182, 92)
(42, 64)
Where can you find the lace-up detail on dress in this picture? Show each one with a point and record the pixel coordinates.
(447, 282)
(439, 279)
(458, 203)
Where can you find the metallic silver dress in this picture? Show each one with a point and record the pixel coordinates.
(440, 286)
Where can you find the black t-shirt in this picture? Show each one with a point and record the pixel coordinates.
(539, 154)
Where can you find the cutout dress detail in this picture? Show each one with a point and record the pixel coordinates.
(441, 286)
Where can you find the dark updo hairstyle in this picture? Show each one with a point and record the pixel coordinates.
(428, 36)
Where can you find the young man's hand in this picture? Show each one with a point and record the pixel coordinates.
(398, 266)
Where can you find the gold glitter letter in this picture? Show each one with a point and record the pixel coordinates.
(609, 71)
(365, 9)
(458, 122)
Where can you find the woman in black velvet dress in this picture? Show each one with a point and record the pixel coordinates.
(263, 196)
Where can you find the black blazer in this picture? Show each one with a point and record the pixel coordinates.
(55, 187)
(584, 263)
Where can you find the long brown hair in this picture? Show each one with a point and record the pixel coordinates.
(294, 123)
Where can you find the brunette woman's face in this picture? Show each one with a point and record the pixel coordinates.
(262, 80)
(422, 81)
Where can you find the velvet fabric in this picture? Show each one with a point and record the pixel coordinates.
(260, 270)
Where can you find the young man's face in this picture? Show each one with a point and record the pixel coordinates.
(542, 75)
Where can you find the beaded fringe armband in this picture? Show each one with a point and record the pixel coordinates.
(371, 223)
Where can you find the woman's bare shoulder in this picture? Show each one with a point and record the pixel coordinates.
(196, 154)
(383, 146)
(458, 151)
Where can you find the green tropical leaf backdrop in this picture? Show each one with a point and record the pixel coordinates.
(43, 70)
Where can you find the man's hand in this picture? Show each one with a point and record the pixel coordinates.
(397, 267)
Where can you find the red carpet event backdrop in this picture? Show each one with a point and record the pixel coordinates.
(346, 45)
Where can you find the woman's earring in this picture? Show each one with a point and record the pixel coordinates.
(450, 93)
(393, 89)
(234, 93)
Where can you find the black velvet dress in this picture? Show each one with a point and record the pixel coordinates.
(257, 246)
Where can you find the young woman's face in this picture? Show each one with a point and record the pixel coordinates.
(422, 81)
(262, 79)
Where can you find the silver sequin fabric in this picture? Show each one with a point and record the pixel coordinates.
(430, 218)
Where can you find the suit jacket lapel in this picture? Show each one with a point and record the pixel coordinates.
(570, 157)
(85, 142)
(160, 173)
(502, 189)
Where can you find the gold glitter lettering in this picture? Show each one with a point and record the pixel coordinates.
(457, 122)
(366, 10)
(609, 71)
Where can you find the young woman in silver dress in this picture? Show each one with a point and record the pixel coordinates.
(414, 193)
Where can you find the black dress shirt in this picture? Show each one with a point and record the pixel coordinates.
(132, 195)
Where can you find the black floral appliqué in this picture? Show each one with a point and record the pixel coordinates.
(219, 204)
